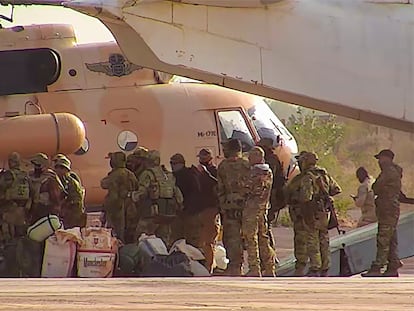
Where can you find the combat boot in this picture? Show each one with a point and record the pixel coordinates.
(299, 271)
(392, 269)
(372, 272)
(232, 271)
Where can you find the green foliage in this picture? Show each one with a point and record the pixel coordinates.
(315, 133)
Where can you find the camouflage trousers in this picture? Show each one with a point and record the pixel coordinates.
(388, 213)
(257, 241)
(232, 240)
(387, 246)
(300, 239)
(149, 227)
(318, 243)
(116, 221)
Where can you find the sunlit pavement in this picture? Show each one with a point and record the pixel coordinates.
(215, 293)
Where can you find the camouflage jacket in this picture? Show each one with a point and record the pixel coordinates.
(388, 184)
(119, 182)
(232, 177)
(259, 186)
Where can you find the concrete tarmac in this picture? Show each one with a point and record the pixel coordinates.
(212, 294)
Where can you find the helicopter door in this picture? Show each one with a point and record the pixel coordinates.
(232, 124)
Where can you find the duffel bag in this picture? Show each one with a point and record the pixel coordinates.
(44, 228)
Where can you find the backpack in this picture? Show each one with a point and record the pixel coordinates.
(162, 185)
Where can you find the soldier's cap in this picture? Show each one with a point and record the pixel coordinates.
(311, 156)
(300, 155)
(40, 159)
(177, 158)
(257, 152)
(203, 153)
(65, 162)
(141, 152)
(233, 144)
(385, 153)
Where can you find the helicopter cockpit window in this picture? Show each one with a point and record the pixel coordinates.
(28, 71)
(233, 125)
(267, 124)
(127, 140)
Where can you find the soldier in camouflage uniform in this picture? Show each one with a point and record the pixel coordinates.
(158, 199)
(73, 209)
(254, 221)
(232, 177)
(14, 199)
(297, 215)
(277, 201)
(387, 187)
(47, 192)
(136, 163)
(71, 173)
(119, 182)
(321, 187)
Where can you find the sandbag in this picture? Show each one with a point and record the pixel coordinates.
(176, 264)
(44, 228)
(58, 258)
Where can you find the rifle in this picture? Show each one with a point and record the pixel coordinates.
(329, 206)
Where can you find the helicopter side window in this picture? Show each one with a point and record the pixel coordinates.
(233, 125)
(28, 71)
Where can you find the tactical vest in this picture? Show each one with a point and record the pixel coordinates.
(162, 185)
(20, 188)
(161, 193)
(38, 196)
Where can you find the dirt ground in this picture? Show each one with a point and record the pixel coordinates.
(211, 294)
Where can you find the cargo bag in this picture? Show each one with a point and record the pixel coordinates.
(44, 228)
(29, 255)
(58, 258)
(176, 264)
(128, 259)
(95, 264)
(148, 247)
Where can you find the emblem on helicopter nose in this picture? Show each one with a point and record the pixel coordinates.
(116, 66)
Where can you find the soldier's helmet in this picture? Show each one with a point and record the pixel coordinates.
(41, 160)
(154, 157)
(64, 162)
(58, 156)
(14, 160)
(256, 155)
(141, 152)
(385, 153)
